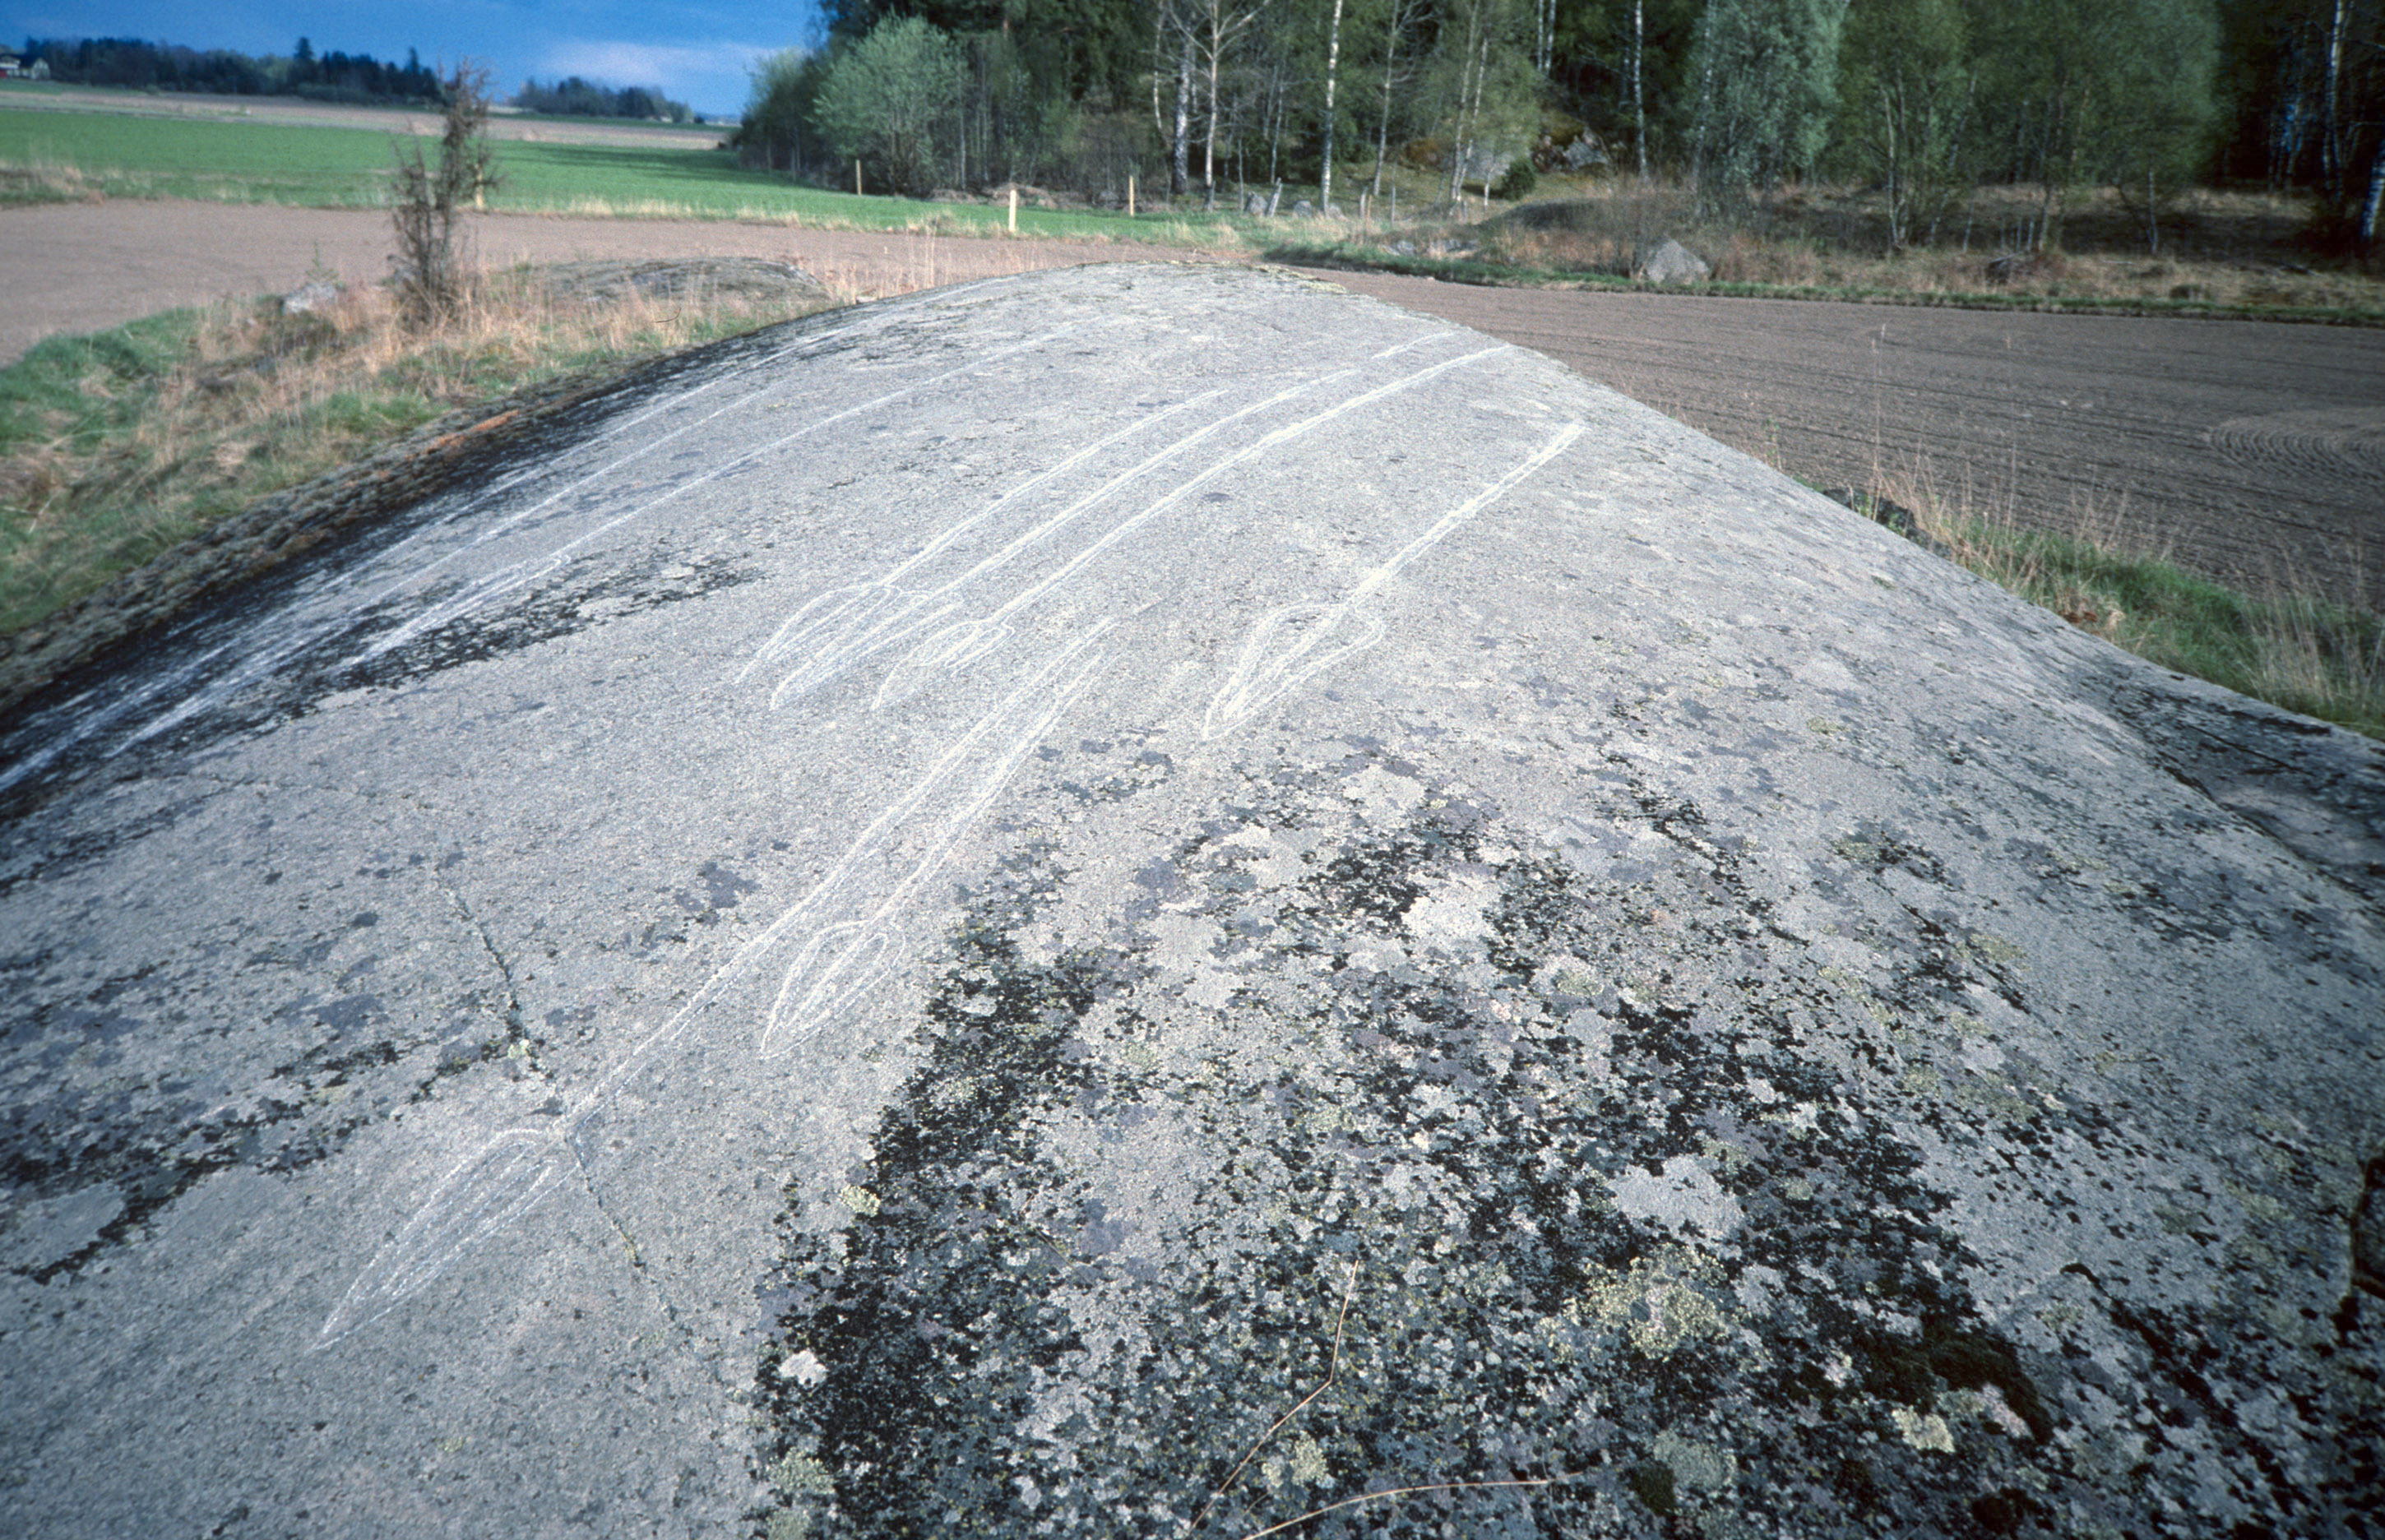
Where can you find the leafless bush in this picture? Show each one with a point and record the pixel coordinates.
(428, 200)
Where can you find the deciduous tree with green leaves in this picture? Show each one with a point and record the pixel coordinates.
(1907, 91)
(1767, 88)
(889, 100)
(2077, 93)
(775, 132)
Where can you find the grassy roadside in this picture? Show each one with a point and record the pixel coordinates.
(2283, 646)
(1366, 256)
(117, 446)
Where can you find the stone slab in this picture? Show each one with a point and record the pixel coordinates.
(1152, 900)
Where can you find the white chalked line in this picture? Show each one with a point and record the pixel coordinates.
(860, 602)
(963, 642)
(275, 655)
(877, 615)
(808, 1001)
(1271, 665)
(514, 1169)
(1397, 348)
(506, 579)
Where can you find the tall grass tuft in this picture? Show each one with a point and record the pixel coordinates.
(2282, 644)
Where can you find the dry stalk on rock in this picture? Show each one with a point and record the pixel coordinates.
(1333, 1369)
(1332, 1374)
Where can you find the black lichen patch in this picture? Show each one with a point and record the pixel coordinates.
(85, 1110)
(29, 854)
(1584, 1235)
(547, 615)
(1653, 1483)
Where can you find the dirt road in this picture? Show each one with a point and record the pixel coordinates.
(2249, 450)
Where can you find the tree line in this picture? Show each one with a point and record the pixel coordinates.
(357, 79)
(142, 66)
(574, 97)
(1924, 100)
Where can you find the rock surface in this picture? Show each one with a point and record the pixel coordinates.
(1147, 901)
(616, 281)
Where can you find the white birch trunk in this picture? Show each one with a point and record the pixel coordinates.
(1332, 68)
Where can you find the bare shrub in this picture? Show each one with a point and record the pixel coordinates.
(427, 199)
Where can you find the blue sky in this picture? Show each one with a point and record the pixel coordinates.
(697, 50)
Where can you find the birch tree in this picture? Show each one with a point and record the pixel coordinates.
(1907, 92)
(1175, 25)
(1400, 17)
(1768, 88)
(2082, 91)
(1489, 91)
(1332, 70)
(1223, 26)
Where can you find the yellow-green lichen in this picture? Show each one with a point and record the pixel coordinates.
(1695, 1466)
(1730, 1157)
(1924, 1430)
(797, 1475)
(1657, 1303)
(1307, 1464)
(2257, 1205)
(1995, 949)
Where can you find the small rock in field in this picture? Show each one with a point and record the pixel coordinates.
(319, 295)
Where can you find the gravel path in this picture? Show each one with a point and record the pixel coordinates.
(2247, 449)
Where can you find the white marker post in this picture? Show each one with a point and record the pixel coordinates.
(1014, 208)
(1129, 197)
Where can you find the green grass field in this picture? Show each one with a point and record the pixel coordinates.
(54, 155)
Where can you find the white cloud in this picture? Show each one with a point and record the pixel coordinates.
(666, 65)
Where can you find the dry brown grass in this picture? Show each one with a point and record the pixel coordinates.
(45, 181)
(118, 446)
(2220, 248)
(2282, 644)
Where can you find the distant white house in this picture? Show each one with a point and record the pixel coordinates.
(14, 68)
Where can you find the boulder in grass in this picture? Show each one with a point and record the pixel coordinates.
(1672, 263)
